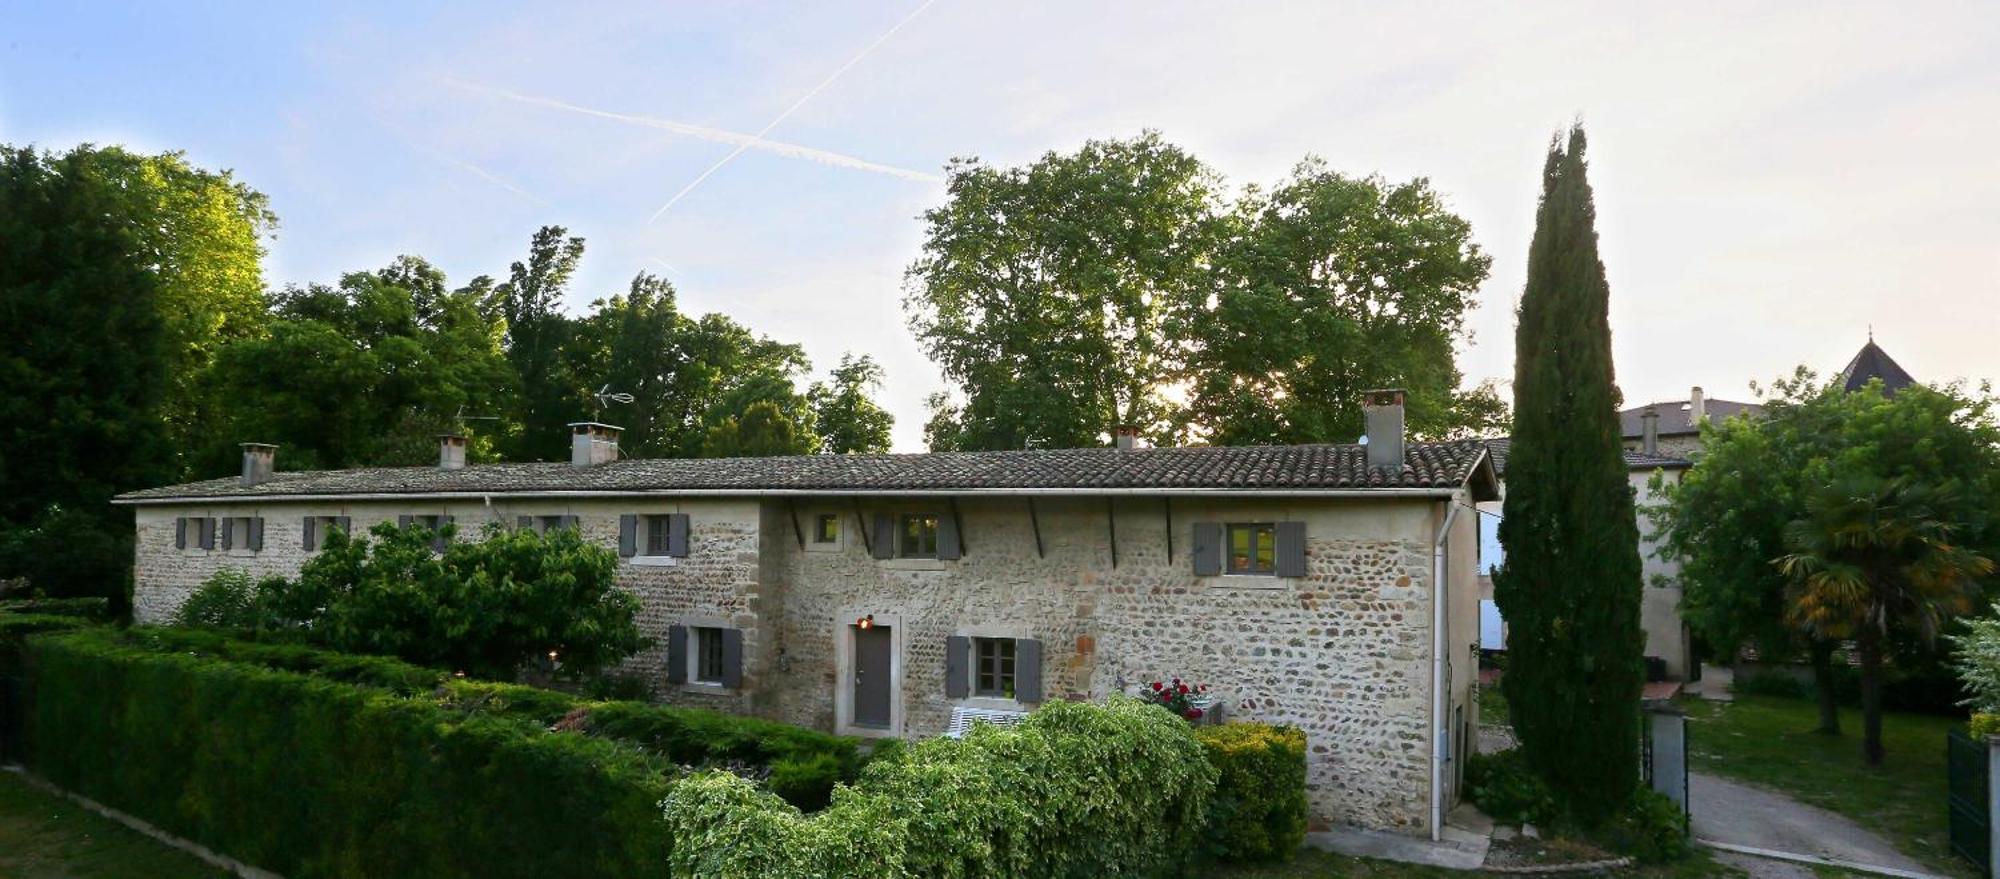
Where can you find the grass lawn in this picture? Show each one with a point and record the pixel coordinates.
(1770, 741)
(43, 836)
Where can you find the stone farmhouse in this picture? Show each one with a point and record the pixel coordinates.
(1330, 587)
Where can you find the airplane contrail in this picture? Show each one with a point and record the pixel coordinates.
(460, 164)
(758, 139)
(718, 135)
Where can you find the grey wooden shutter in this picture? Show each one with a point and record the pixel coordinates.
(1207, 549)
(732, 658)
(1291, 549)
(228, 533)
(628, 536)
(257, 534)
(570, 522)
(885, 536)
(208, 533)
(404, 521)
(310, 534)
(525, 523)
(677, 535)
(345, 524)
(957, 674)
(181, 533)
(948, 548)
(1027, 670)
(438, 543)
(677, 655)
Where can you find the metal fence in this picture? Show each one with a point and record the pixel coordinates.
(1969, 799)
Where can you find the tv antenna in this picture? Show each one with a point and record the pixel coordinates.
(605, 396)
(461, 418)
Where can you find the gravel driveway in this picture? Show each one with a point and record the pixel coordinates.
(1733, 812)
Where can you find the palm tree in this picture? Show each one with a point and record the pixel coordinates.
(1872, 555)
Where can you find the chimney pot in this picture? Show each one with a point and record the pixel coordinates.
(1382, 415)
(1650, 431)
(451, 451)
(1127, 437)
(592, 443)
(259, 459)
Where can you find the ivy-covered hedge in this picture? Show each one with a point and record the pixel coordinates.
(1076, 790)
(312, 777)
(1259, 809)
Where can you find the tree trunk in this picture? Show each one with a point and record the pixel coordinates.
(1870, 646)
(1822, 671)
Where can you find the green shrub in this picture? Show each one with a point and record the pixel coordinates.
(311, 777)
(86, 607)
(1259, 809)
(1650, 827)
(1075, 791)
(226, 600)
(1502, 786)
(486, 607)
(1983, 725)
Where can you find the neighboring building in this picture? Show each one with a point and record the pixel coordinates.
(1330, 587)
(1871, 362)
(1659, 611)
(1677, 432)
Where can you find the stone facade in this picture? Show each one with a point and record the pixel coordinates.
(1344, 652)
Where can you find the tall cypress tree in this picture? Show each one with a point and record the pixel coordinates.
(1570, 586)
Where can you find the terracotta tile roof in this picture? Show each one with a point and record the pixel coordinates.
(1243, 468)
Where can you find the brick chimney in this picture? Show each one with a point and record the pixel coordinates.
(592, 443)
(259, 459)
(1649, 431)
(1382, 417)
(451, 451)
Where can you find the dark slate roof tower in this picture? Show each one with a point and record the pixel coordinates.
(1873, 362)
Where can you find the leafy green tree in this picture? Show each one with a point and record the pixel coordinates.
(1872, 555)
(1043, 291)
(763, 429)
(365, 373)
(119, 276)
(1725, 520)
(1570, 585)
(539, 338)
(848, 417)
(487, 607)
(1335, 285)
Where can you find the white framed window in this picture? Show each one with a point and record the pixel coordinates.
(993, 668)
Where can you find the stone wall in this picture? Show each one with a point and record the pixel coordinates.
(1342, 653)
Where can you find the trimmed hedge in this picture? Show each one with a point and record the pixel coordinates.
(88, 607)
(1259, 809)
(1076, 790)
(311, 777)
(805, 764)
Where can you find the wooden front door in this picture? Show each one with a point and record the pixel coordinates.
(872, 648)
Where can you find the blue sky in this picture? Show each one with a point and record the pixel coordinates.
(1771, 180)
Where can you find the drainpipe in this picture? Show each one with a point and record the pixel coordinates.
(1440, 639)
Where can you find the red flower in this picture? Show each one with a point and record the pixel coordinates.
(1203, 688)
(1194, 714)
(1157, 686)
(1183, 688)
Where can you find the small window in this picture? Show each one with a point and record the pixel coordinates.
(546, 524)
(993, 667)
(1253, 549)
(918, 538)
(707, 655)
(657, 529)
(826, 528)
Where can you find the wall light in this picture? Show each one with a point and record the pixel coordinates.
(867, 622)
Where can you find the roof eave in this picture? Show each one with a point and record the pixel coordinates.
(1377, 493)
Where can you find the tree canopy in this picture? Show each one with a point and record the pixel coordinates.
(1120, 285)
